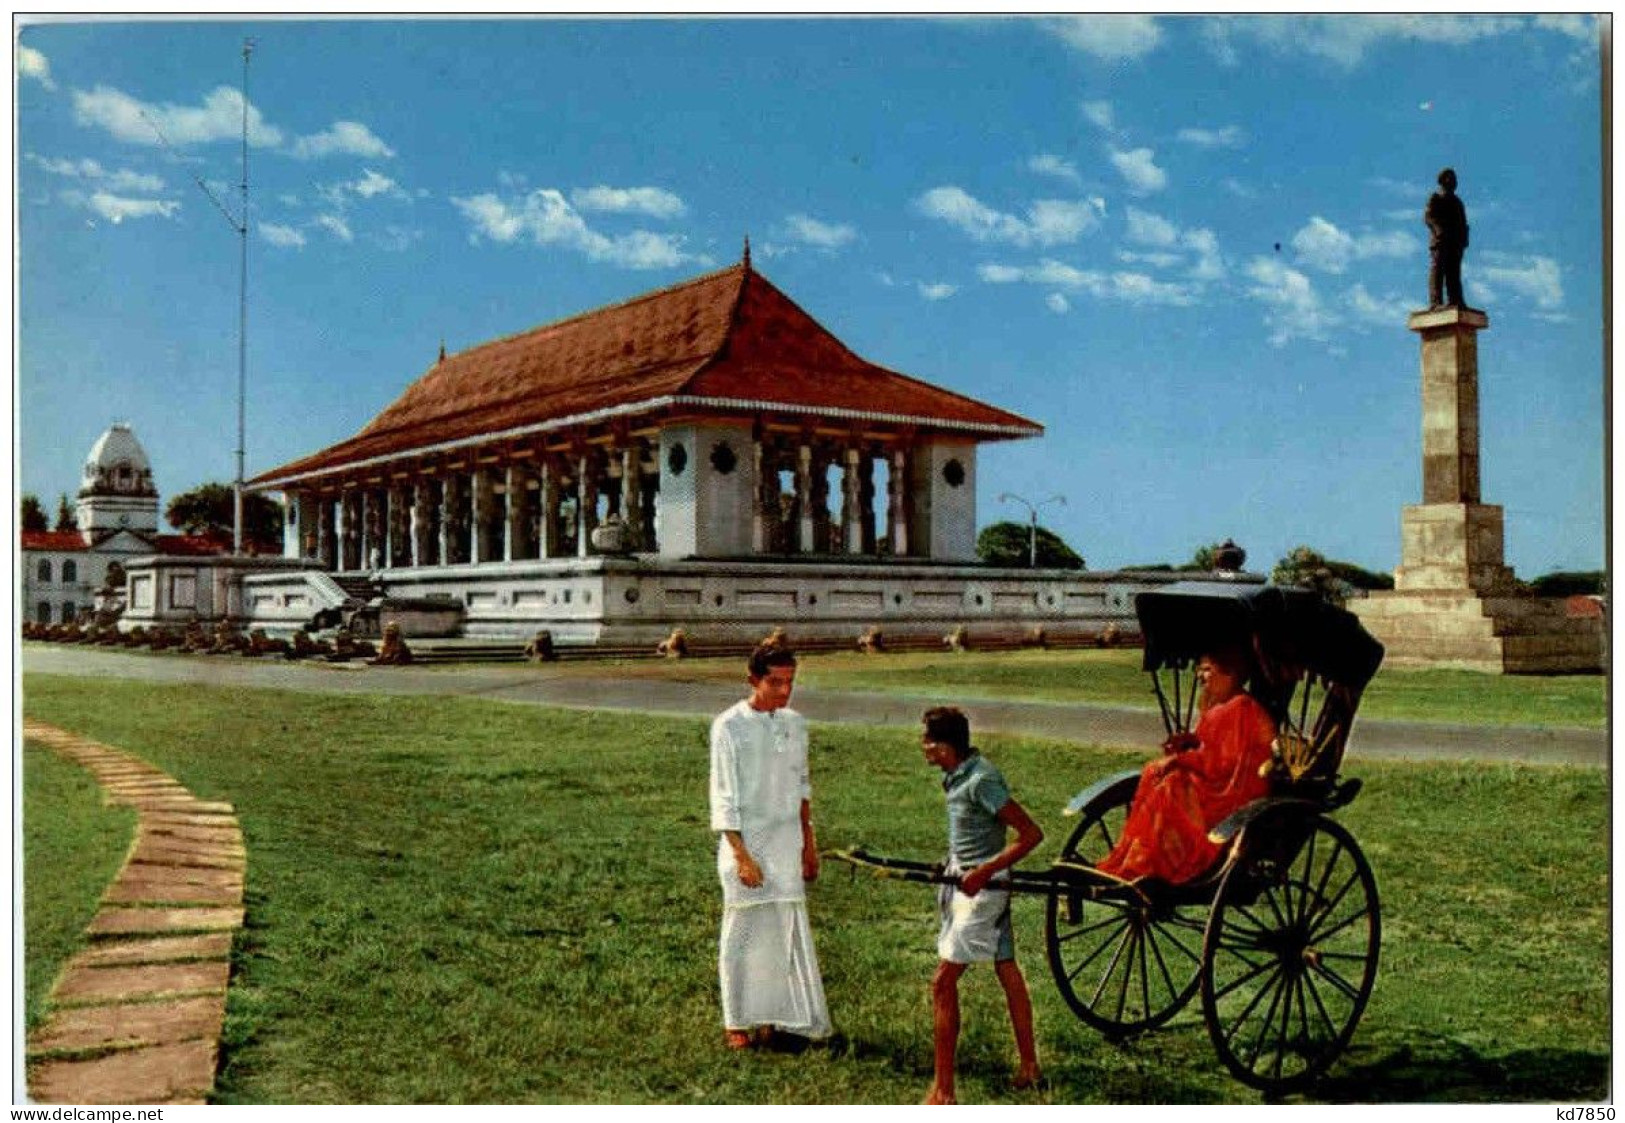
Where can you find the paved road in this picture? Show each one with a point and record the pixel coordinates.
(545, 686)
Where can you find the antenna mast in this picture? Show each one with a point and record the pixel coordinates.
(242, 329)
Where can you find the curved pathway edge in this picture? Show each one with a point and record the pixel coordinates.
(136, 1015)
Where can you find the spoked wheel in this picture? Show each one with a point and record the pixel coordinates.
(1290, 955)
(1124, 965)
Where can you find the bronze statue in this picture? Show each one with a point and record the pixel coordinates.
(1446, 220)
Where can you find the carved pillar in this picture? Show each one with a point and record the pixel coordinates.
(897, 502)
(866, 502)
(448, 501)
(586, 504)
(803, 501)
(480, 496)
(631, 501)
(419, 531)
(649, 495)
(513, 521)
(547, 509)
(324, 533)
(851, 523)
(759, 538)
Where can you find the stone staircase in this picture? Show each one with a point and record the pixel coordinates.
(1505, 634)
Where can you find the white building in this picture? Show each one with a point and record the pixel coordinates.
(117, 511)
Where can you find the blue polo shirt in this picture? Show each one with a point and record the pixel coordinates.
(975, 792)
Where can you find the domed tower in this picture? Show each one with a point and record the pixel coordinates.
(117, 492)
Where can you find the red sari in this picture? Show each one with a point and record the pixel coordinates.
(1180, 798)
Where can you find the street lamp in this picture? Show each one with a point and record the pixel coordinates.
(1032, 521)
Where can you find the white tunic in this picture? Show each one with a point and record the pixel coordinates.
(759, 779)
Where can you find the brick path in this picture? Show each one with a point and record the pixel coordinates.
(136, 1016)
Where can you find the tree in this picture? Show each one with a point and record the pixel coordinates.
(207, 509)
(1334, 580)
(30, 515)
(1006, 544)
(1205, 559)
(64, 515)
(1566, 583)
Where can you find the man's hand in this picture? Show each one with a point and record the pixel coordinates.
(975, 881)
(809, 864)
(1182, 742)
(750, 874)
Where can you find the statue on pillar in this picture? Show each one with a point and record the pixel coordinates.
(1446, 219)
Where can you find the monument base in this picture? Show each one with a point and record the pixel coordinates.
(1500, 634)
(1449, 547)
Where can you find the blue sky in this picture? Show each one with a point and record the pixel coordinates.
(1185, 245)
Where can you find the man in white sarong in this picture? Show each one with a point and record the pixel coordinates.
(761, 806)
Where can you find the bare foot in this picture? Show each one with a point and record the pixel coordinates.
(737, 1039)
(938, 1096)
(1027, 1076)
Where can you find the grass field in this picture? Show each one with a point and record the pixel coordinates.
(466, 901)
(1113, 677)
(73, 845)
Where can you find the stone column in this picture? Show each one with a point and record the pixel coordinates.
(513, 522)
(866, 502)
(631, 501)
(897, 502)
(448, 499)
(480, 496)
(586, 504)
(324, 533)
(649, 501)
(851, 521)
(803, 501)
(759, 539)
(547, 509)
(1451, 540)
(419, 530)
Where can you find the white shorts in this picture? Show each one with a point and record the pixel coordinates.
(974, 929)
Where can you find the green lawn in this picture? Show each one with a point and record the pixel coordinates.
(1113, 677)
(469, 901)
(73, 845)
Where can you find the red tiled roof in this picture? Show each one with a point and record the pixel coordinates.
(53, 540)
(1583, 605)
(729, 340)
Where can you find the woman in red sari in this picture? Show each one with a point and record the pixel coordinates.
(1202, 777)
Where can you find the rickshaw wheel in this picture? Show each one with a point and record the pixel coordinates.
(1123, 965)
(1290, 954)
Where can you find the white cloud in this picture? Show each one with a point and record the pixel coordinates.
(547, 219)
(1346, 39)
(1047, 163)
(1100, 114)
(220, 117)
(33, 64)
(1532, 276)
(1150, 230)
(1209, 263)
(823, 235)
(652, 201)
(1119, 38)
(1127, 287)
(1057, 303)
(1390, 310)
(1048, 221)
(1237, 188)
(336, 226)
(372, 183)
(1294, 309)
(282, 236)
(397, 238)
(938, 291)
(117, 208)
(1138, 166)
(342, 138)
(1323, 246)
(1159, 259)
(1582, 28)
(122, 180)
(1231, 136)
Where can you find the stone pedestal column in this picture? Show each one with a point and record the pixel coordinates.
(547, 510)
(759, 538)
(513, 522)
(1452, 540)
(631, 501)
